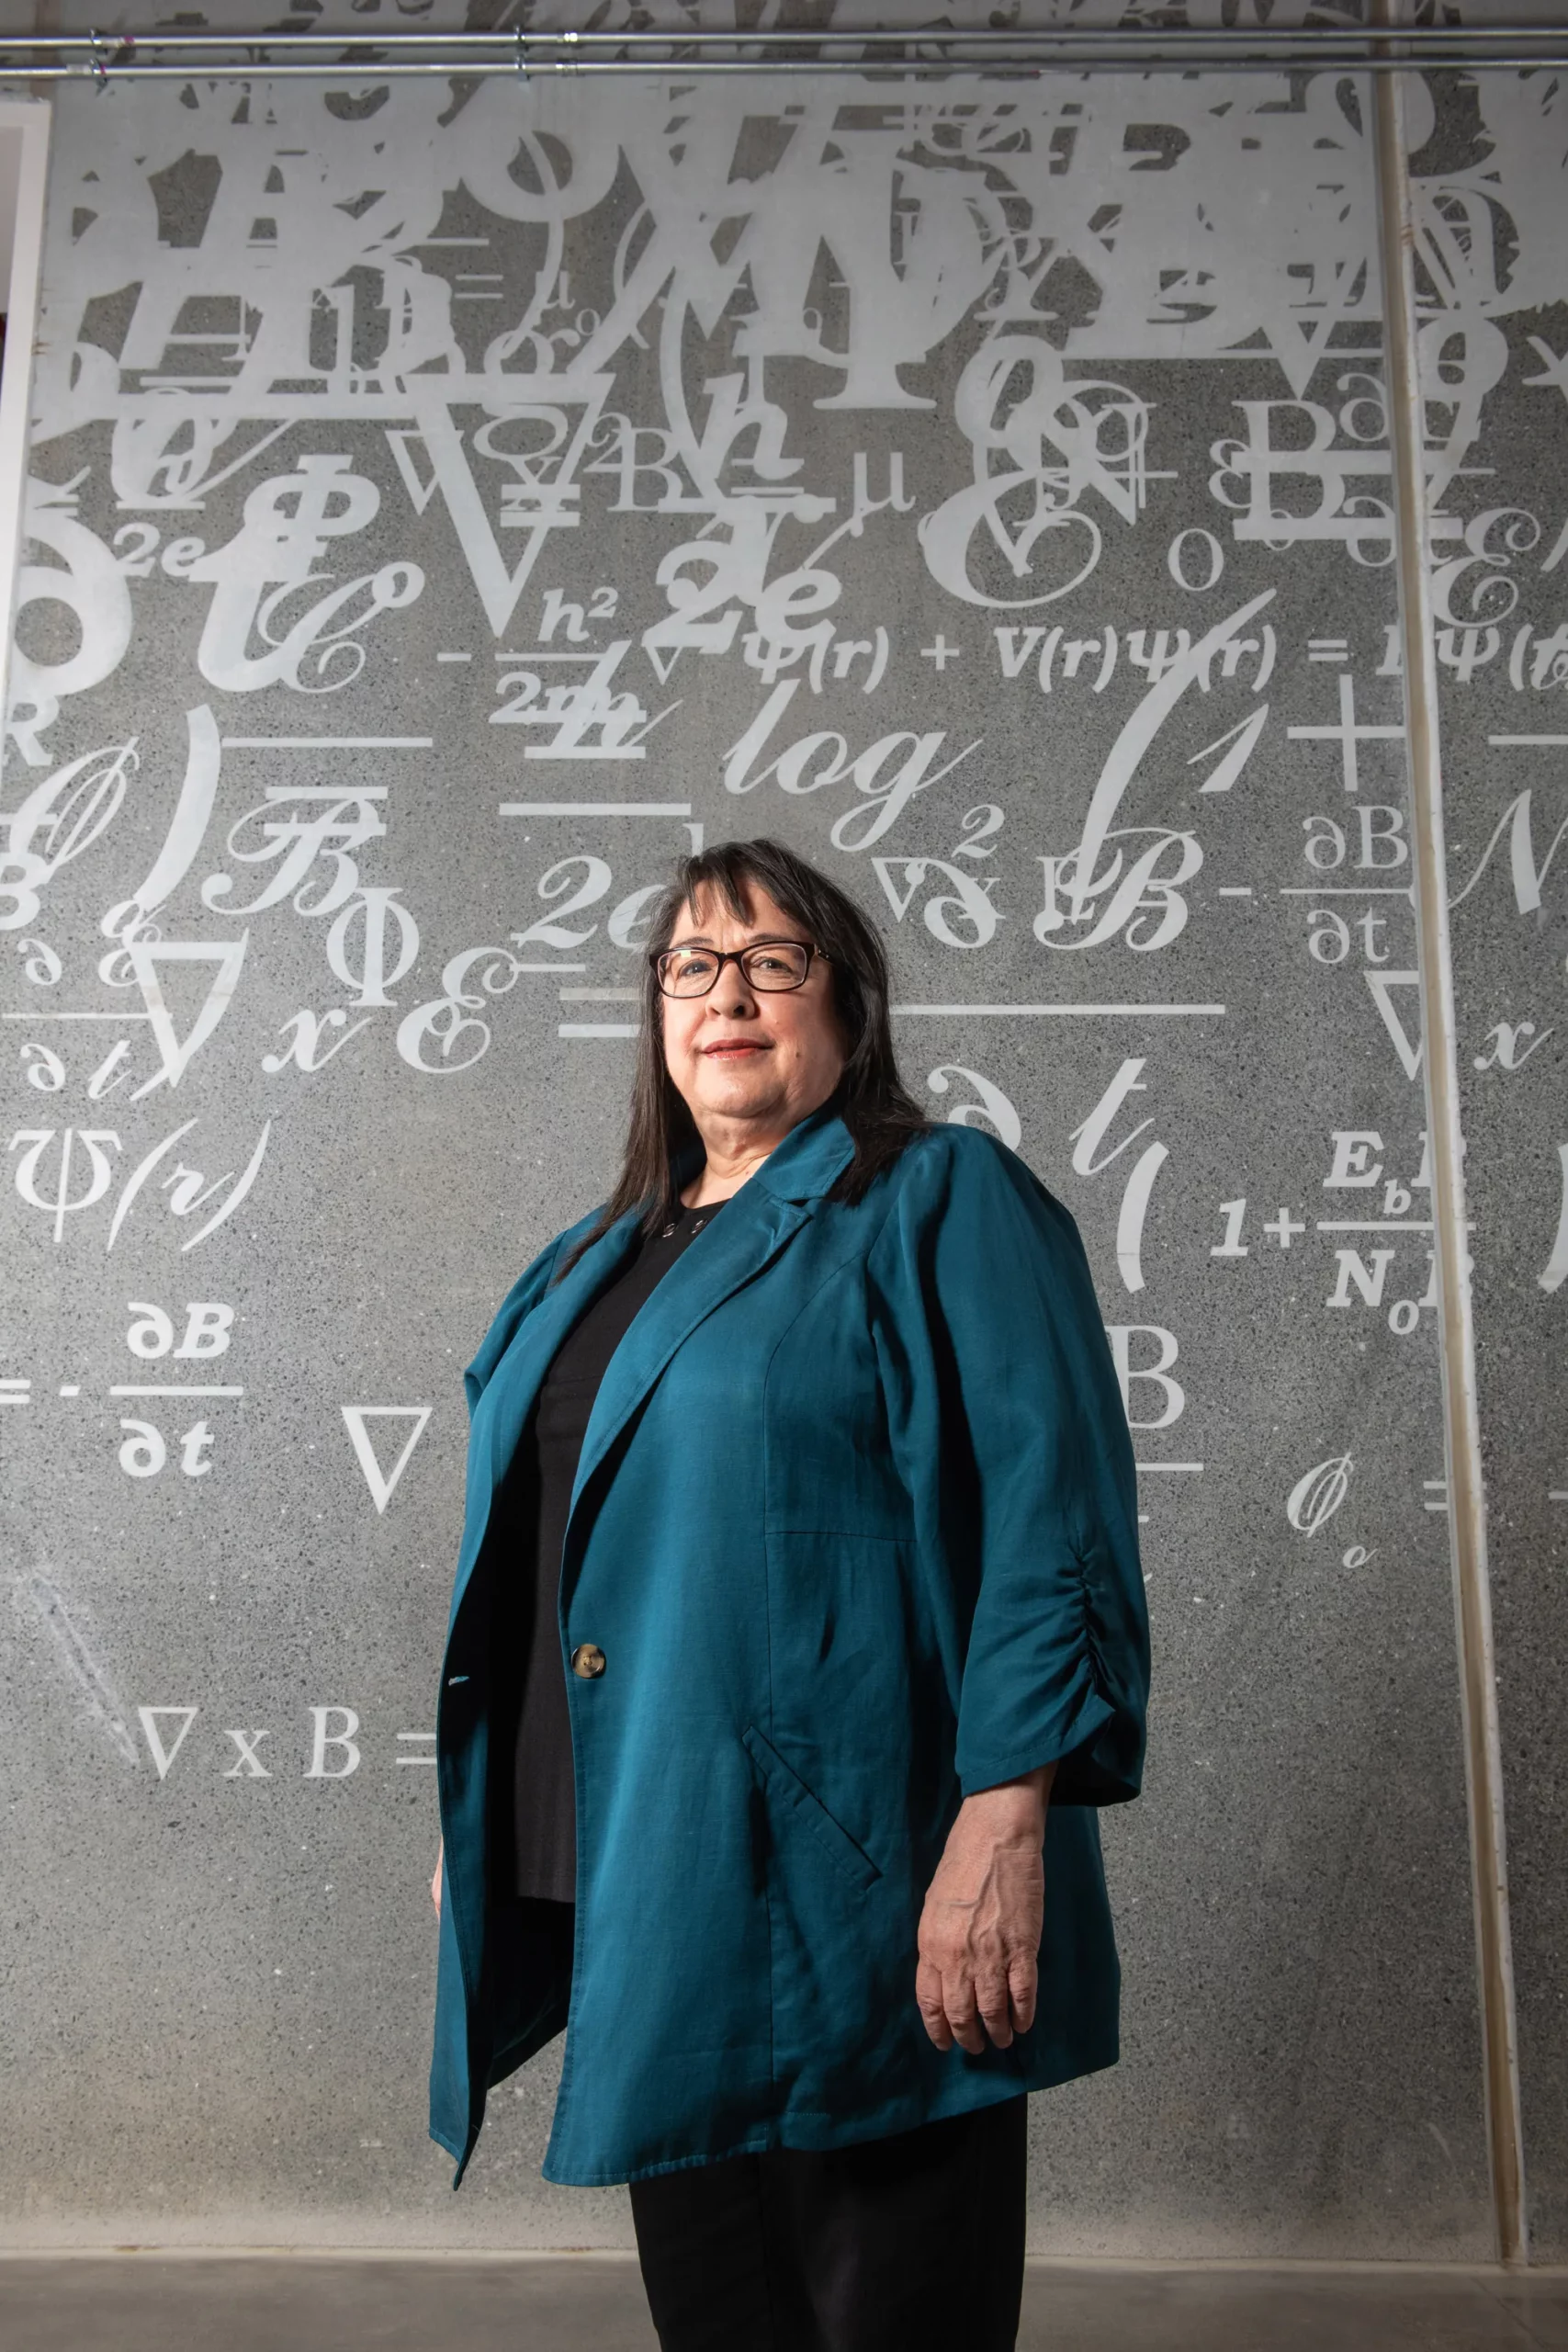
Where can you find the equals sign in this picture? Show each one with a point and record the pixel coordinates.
(1436, 1488)
(16, 1392)
(422, 1738)
(1328, 649)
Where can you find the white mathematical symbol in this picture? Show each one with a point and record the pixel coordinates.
(1350, 734)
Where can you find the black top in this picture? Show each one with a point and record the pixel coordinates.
(546, 1809)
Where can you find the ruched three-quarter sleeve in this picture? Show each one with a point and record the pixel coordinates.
(1007, 1417)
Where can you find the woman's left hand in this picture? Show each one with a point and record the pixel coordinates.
(979, 1935)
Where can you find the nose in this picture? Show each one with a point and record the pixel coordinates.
(732, 998)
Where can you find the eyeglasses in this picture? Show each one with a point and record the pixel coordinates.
(769, 964)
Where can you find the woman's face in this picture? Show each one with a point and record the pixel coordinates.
(764, 1056)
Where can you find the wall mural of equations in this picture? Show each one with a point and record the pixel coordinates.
(447, 504)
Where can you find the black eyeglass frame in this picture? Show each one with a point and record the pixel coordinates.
(736, 955)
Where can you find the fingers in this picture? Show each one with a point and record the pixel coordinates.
(932, 2008)
(993, 2000)
(958, 2007)
(970, 2001)
(963, 2015)
(1024, 1987)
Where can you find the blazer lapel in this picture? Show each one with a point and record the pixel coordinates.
(519, 1375)
(516, 1377)
(757, 1223)
(752, 1230)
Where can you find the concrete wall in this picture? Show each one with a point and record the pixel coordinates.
(448, 506)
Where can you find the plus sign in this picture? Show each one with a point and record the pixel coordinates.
(941, 653)
(1283, 1227)
(1347, 734)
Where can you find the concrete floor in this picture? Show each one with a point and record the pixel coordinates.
(355, 2304)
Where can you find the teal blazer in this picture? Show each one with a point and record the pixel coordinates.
(856, 1527)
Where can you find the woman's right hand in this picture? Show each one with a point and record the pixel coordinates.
(435, 1881)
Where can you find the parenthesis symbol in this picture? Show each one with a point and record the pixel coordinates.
(1516, 658)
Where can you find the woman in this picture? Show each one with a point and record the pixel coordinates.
(798, 1632)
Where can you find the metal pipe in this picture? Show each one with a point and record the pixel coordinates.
(163, 56)
(1260, 36)
(1462, 1426)
(882, 71)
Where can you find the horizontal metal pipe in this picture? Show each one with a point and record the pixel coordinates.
(1258, 38)
(877, 70)
(890, 50)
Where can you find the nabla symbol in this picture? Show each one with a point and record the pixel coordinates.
(383, 1483)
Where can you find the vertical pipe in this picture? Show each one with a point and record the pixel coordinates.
(1462, 1429)
(32, 121)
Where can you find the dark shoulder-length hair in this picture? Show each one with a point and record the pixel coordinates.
(869, 1098)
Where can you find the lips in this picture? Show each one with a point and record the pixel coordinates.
(733, 1049)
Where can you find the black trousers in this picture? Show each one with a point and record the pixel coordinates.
(913, 2244)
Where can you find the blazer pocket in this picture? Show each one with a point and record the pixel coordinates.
(784, 1784)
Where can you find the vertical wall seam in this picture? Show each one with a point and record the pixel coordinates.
(1461, 1427)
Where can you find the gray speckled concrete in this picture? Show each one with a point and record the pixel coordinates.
(559, 2306)
(219, 1979)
